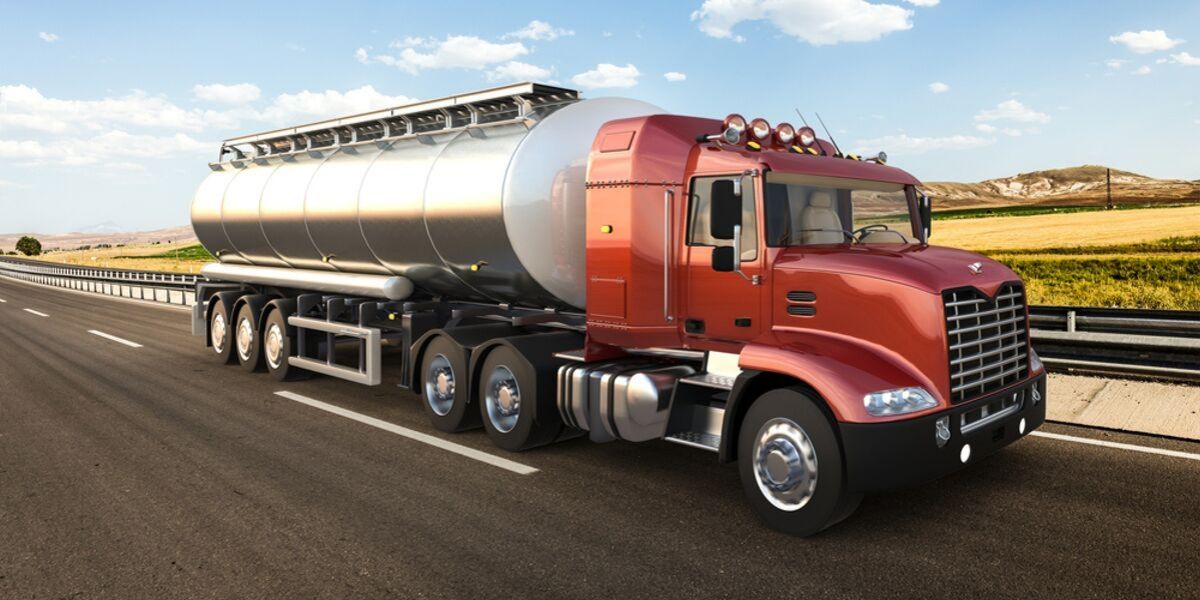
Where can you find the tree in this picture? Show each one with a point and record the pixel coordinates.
(29, 246)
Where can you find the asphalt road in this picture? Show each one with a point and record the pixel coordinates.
(153, 472)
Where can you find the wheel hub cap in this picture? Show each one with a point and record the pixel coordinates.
(503, 399)
(439, 385)
(785, 464)
(274, 345)
(218, 330)
(245, 337)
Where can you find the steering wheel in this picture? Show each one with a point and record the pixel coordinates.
(861, 232)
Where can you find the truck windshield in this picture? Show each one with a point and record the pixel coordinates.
(803, 210)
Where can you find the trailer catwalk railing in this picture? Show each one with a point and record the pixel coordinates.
(168, 288)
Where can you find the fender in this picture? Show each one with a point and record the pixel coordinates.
(256, 302)
(468, 337)
(838, 368)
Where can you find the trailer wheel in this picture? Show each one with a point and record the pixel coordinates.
(277, 345)
(246, 341)
(790, 463)
(444, 386)
(511, 402)
(220, 333)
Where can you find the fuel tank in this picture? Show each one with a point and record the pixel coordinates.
(489, 211)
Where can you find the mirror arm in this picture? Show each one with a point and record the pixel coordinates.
(737, 257)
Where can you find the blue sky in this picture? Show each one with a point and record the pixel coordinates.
(110, 111)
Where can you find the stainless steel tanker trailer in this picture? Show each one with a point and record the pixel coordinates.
(546, 266)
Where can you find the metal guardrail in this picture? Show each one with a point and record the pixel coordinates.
(168, 288)
(1162, 344)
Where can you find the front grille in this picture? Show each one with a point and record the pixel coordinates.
(987, 339)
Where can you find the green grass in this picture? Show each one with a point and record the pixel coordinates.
(1028, 211)
(193, 252)
(1163, 274)
(1169, 245)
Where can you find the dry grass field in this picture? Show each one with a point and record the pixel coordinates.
(1095, 228)
(179, 257)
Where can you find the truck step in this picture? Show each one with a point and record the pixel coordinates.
(704, 441)
(711, 380)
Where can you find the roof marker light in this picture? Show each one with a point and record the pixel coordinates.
(760, 129)
(785, 134)
(806, 135)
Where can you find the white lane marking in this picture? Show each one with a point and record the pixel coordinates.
(1117, 445)
(459, 449)
(35, 312)
(2, 300)
(114, 338)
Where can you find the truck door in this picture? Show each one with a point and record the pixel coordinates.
(722, 305)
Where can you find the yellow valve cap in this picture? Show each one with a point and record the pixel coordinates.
(606, 229)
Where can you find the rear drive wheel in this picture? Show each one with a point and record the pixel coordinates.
(220, 333)
(790, 462)
(277, 342)
(444, 386)
(512, 402)
(246, 341)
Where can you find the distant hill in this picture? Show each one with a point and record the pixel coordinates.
(101, 234)
(1072, 186)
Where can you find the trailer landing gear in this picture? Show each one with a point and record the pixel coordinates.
(790, 462)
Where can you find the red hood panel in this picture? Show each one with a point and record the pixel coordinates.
(928, 268)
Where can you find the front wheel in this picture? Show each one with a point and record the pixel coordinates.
(790, 462)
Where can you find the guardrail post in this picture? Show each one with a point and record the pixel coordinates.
(1071, 321)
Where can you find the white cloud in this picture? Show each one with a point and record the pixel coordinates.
(519, 71)
(674, 76)
(539, 30)
(938, 87)
(923, 2)
(111, 147)
(1145, 41)
(47, 37)
(454, 52)
(25, 107)
(238, 93)
(12, 185)
(818, 22)
(985, 128)
(330, 103)
(1009, 131)
(1012, 110)
(1142, 70)
(1115, 63)
(905, 144)
(606, 75)
(1183, 58)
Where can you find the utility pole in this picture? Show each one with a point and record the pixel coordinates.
(1108, 186)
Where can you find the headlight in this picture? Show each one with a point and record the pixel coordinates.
(785, 134)
(760, 129)
(806, 136)
(898, 402)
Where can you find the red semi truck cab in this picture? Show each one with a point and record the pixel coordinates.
(745, 290)
(917, 356)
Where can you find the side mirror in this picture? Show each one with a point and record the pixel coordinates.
(926, 217)
(723, 259)
(726, 210)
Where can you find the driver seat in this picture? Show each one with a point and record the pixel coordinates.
(820, 215)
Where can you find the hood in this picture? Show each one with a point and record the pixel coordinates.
(928, 268)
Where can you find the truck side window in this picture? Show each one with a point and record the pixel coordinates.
(699, 215)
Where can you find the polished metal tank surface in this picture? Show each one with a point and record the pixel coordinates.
(493, 211)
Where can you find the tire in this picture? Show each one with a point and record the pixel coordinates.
(220, 333)
(247, 341)
(790, 462)
(516, 401)
(444, 390)
(277, 342)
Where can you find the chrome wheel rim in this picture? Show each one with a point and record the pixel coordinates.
(439, 385)
(245, 338)
(503, 399)
(274, 345)
(218, 331)
(785, 464)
